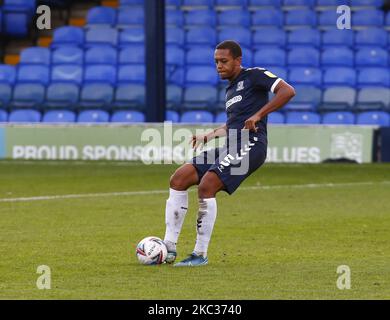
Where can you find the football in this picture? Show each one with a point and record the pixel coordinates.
(151, 251)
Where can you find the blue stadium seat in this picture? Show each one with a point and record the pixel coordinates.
(297, 3)
(67, 73)
(129, 96)
(235, 17)
(200, 56)
(59, 116)
(171, 115)
(134, 73)
(130, 3)
(374, 77)
(387, 20)
(203, 36)
(327, 19)
(201, 17)
(274, 37)
(16, 20)
(175, 76)
(197, 4)
(339, 76)
(131, 16)
(335, 37)
(33, 73)
(68, 55)
(173, 3)
(270, 56)
(100, 73)
(101, 36)
(174, 96)
(305, 56)
(200, 97)
(326, 4)
(24, 115)
(377, 98)
(369, 17)
(307, 98)
(197, 117)
(131, 36)
(96, 95)
(242, 35)
(338, 99)
(275, 118)
(358, 4)
(304, 37)
(62, 95)
(256, 4)
(5, 95)
(337, 56)
(267, 17)
(339, 117)
(372, 37)
(302, 118)
(226, 4)
(127, 116)
(93, 116)
(371, 57)
(67, 35)
(201, 75)
(221, 117)
(305, 76)
(281, 72)
(300, 17)
(7, 74)
(174, 36)
(3, 114)
(174, 18)
(379, 118)
(132, 54)
(101, 55)
(28, 95)
(101, 16)
(174, 56)
(35, 55)
(247, 57)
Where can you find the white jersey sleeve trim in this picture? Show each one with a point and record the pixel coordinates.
(275, 84)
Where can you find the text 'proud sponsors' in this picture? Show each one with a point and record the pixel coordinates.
(147, 154)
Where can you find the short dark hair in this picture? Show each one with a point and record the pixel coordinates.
(231, 45)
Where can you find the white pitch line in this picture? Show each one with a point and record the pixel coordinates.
(146, 192)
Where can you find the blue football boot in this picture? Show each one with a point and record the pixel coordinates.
(192, 261)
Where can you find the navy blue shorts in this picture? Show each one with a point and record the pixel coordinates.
(232, 163)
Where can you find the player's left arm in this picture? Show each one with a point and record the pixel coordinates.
(283, 94)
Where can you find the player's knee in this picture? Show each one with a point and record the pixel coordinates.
(205, 190)
(178, 182)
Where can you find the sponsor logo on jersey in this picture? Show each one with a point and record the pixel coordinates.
(233, 101)
(270, 74)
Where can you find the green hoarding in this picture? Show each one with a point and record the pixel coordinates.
(164, 143)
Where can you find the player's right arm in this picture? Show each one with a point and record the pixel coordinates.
(200, 139)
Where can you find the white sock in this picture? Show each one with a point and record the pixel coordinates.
(175, 211)
(206, 218)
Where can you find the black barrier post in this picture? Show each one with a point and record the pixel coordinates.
(155, 60)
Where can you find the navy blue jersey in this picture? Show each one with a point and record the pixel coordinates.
(246, 95)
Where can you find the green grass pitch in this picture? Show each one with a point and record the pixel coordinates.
(282, 235)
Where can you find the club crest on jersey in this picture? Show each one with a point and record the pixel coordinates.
(240, 86)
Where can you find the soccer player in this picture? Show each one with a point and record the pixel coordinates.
(247, 107)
